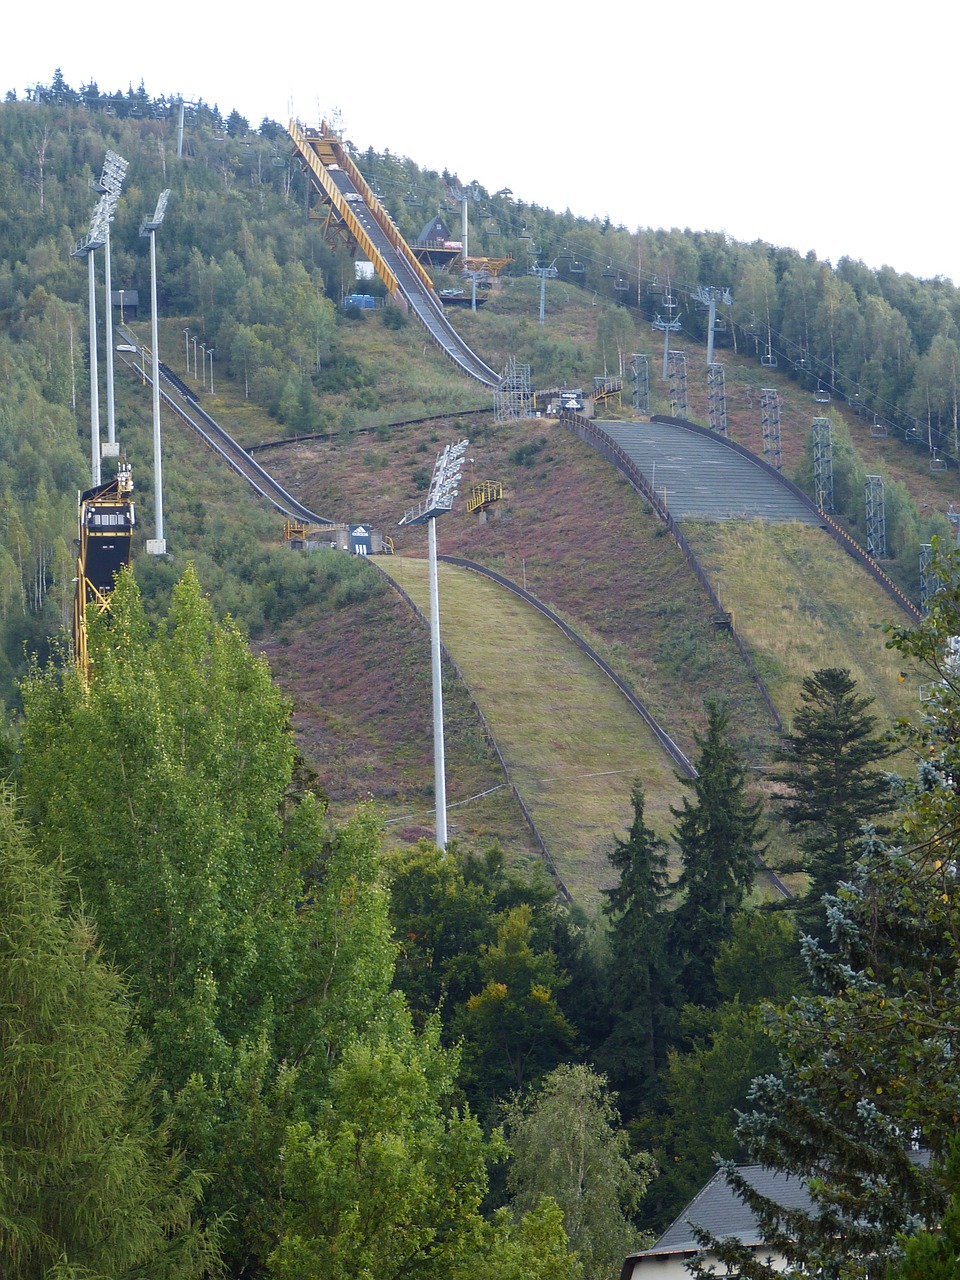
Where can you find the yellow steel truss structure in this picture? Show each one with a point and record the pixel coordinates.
(484, 495)
(106, 535)
(319, 150)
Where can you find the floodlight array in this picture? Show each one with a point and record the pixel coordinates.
(114, 172)
(96, 236)
(151, 224)
(444, 487)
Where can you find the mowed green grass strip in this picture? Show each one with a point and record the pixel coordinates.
(571, 741)
(801, 603)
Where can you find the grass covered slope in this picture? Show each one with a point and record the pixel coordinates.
(802, 603)
(571, 741)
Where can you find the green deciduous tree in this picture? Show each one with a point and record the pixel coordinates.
(387, 1181)
(89, 1186)
(720, 835)
(535, 1248)
(257, 944)
(567, 1144)
(513, 1029)
(161, 785)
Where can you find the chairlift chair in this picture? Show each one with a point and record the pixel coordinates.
(621, 284)
(821, 395)
(609, 270)
(577, 268)
(937, 463)
(768, 359)
(878, 428)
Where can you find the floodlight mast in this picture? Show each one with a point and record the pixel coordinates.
(156, 546)
(110, 184)
(94, 239)
(444, 487)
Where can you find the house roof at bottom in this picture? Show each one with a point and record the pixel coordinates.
(719, 1210)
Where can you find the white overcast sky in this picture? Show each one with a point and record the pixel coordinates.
(826, 125)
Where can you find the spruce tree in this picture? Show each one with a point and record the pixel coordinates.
(720, 835)
(639, 983)
(866, 1078)
(864, 1075)
(830, 781)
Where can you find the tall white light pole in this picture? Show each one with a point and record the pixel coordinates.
(444, 487)
(210, 351)
(156, 546)
(111, 181)
(94, 239)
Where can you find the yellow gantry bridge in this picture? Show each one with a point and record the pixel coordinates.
(107, 520)
(349, 210)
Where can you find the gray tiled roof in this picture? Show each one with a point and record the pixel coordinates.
(719, 1210)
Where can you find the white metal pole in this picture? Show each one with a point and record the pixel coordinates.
(711, 321)
(94, 376)
(155, 339)
(108, 287)
(210, 354)
(439, 775)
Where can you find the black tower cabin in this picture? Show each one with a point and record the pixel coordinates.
(106, 533)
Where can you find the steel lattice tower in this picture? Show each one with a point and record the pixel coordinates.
(717, 398)
(876, 520)
(770, 425)
(640, 383)
(512, 398)
(823, 463)
(928, 588)
(677, 375)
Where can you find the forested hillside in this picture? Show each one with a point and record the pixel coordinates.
(241, 1038)
(241, 270)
